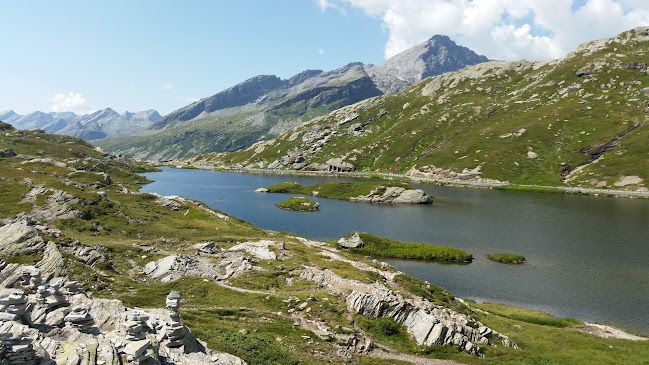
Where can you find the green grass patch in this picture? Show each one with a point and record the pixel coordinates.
(383, 247)
(506, 258)
(255, 345)
(387, 331)
(32, 259)
(299, 204)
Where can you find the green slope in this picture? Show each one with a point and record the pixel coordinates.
(580, 120)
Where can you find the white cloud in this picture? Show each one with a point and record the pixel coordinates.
(502, 29)
(321, 51)
(70, 102)
(324, 4)
(168, 86)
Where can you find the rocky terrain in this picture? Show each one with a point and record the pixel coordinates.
(578, 121)
(89, 262)
(265, 106)
(105, 123)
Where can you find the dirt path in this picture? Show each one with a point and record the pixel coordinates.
(413, 359)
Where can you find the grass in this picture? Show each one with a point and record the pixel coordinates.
(383, 247)
(506, 258)
(299, 204)
(336, 190)
(387, 331)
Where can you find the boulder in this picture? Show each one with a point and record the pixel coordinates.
(354, 241)
(7, 152)
(20, 238)
(416, 196)
(259, 249)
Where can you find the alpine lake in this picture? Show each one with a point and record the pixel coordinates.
(587, 257)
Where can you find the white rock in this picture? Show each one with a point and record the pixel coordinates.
(354, 241)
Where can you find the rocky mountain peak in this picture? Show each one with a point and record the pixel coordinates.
(433, 57)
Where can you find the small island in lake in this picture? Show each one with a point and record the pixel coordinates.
(506, 258)
(367, 191)
(299, 204)
(367, 244)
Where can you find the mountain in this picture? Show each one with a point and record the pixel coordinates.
(100, 124)
(266, 105)
(436, 56)
(581, 120)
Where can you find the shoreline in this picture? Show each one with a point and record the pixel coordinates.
(574, 190)
(606, 330)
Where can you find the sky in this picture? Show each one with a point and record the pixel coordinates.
(81, 56)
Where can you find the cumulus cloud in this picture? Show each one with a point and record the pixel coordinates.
(321, 51)
(502, 29)
(70, 102)
(168, 86)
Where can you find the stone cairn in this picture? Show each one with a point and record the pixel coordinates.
(175, 330)
(136, 325)
(17, 350)
(13, 306)
(72, 288)
(80, 319)
(31, 279)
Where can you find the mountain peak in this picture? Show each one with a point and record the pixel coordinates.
(437, 55)
(441, 37)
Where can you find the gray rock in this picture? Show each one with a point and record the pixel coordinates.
(415, 196)
(7, 152)
(427, 323)
(354, 241)
(20, 238)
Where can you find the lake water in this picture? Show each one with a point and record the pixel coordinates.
(586, 257)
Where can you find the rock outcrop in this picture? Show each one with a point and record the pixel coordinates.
(395, 195)
(19, 237)
(59, 324)
(354, 241)
(429, 324)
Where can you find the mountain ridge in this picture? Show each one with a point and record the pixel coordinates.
(265, 105)
(100, 124)
(576, 121)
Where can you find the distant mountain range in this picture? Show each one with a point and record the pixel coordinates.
(101, 124)
(581, 121)
(264, 106)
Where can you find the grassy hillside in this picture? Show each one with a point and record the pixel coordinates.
(259, 314)
(581, 120)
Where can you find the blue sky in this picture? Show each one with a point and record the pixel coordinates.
(142, 54)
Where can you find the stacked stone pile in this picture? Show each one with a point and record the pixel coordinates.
(17, 350)
(13, 306)
(80, 319)
(174, 329)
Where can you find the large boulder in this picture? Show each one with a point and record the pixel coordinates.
(20, 238)
(416, 196)
(353, 241)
